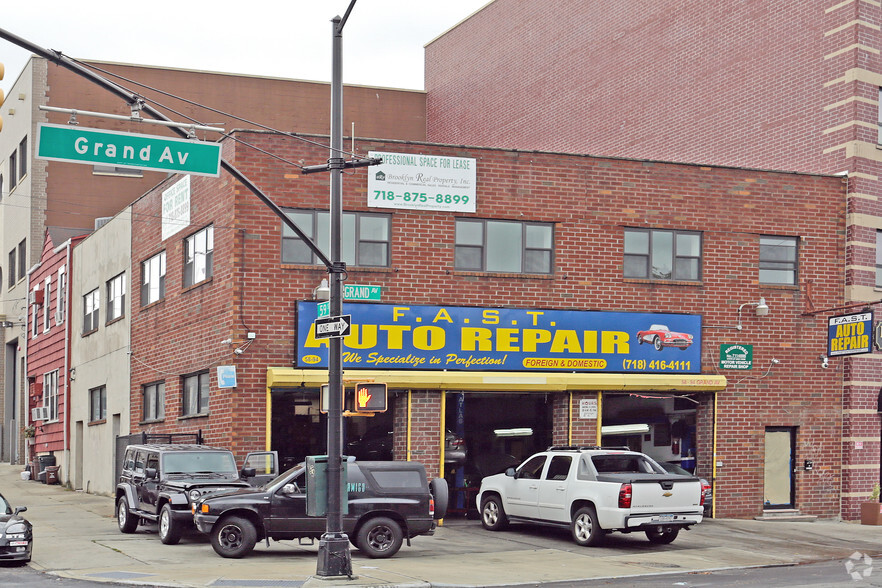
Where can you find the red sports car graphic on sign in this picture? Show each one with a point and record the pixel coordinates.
(661, 336)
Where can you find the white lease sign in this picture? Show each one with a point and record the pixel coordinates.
(423, 182)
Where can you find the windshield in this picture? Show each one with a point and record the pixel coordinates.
(199, 462)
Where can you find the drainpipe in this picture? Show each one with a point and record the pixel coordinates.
(66, 326)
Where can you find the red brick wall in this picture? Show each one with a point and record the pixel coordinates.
(590, 200)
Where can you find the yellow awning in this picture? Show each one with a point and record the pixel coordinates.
(501, 381)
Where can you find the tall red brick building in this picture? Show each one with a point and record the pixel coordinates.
(538, 298)
(768, 84)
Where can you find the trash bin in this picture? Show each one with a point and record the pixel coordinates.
(52, 474)
(46, 460)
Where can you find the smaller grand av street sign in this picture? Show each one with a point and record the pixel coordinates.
(113, 148)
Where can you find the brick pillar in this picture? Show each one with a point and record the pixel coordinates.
(566, 414)
(425, 429)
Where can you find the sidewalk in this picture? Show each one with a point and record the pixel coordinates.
(76, 537)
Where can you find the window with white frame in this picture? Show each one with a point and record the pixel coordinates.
(504, 246)
(198, 253)
(91, 309)
(50, 393)
(778, 260)
(153, 279)
(365, 237)
(12, 258)
(34, 313)
(22, 258)
(195, 395)
(116, 297)
(61, 305)
(154, 401)
(23, 158)
(98, 404)
(13, 170)
(47, 296)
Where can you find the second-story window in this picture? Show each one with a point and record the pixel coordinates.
(153, 279)
(13, 170)
(47, 296)
(91, 308)
(23, 158)
(662, 255)
(116, 297)
(22, 258)
(61, 309)
(365, 237)
(504, 246)
(12, 278)
(198, 253)
(195, 397)
(778, 260)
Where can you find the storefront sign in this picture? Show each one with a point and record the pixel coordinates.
(423, 182)
(389, 336)
(736, 357)
(588, 408)
(850, 334)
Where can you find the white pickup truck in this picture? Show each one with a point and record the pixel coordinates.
(593, 491)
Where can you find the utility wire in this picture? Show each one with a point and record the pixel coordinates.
(211, 109)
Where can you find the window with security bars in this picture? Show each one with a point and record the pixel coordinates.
(365, 237)
(504, 246)
(778, 260)
(656, 254)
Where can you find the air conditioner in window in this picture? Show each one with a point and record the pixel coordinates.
(35, 297)
(59, 317)
(40, 413)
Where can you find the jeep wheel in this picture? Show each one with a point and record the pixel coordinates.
(380, 537)
(493, 514)
(169, 531)
(233, 537)
(585, 528)
(662, 536)
(124, 518)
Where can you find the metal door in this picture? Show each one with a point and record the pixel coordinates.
(779, 481)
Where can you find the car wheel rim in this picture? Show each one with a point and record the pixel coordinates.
(230, 537)
(583, 528)
(380, 538)
(491, 513)
(163, 524)
(121, 514)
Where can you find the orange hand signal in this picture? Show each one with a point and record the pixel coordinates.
(363, 397)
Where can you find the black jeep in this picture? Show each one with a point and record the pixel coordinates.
(388, 501)
(160, 482)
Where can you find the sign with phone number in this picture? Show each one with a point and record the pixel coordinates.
(423, 182)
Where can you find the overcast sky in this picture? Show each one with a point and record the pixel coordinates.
(382, 42)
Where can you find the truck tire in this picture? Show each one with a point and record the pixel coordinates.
(233, 537)
(585, 528)
(124, 518)
(169, 531)
(662, 536)
(493, 514)
(441, 496)
(380, 537)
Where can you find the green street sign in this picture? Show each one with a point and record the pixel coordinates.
(97, 146)
(736, 357)
(323, 309)
(356, 292)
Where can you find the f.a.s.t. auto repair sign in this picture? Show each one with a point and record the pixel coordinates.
(850, 334)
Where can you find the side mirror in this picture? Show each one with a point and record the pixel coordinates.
(19, 509)
(150, 473)
(249, 472)
(290, 488)
(510, 472)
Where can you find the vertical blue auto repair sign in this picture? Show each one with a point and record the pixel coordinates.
(850, 334)
(391, 336)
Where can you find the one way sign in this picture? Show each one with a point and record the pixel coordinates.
(332, 326)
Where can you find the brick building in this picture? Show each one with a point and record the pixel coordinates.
(767, 84)
(36, 193)
(510, 311)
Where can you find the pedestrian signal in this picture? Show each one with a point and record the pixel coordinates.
(370, 397)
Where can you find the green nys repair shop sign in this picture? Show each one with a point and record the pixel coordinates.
(97, 146)
(736, 357)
